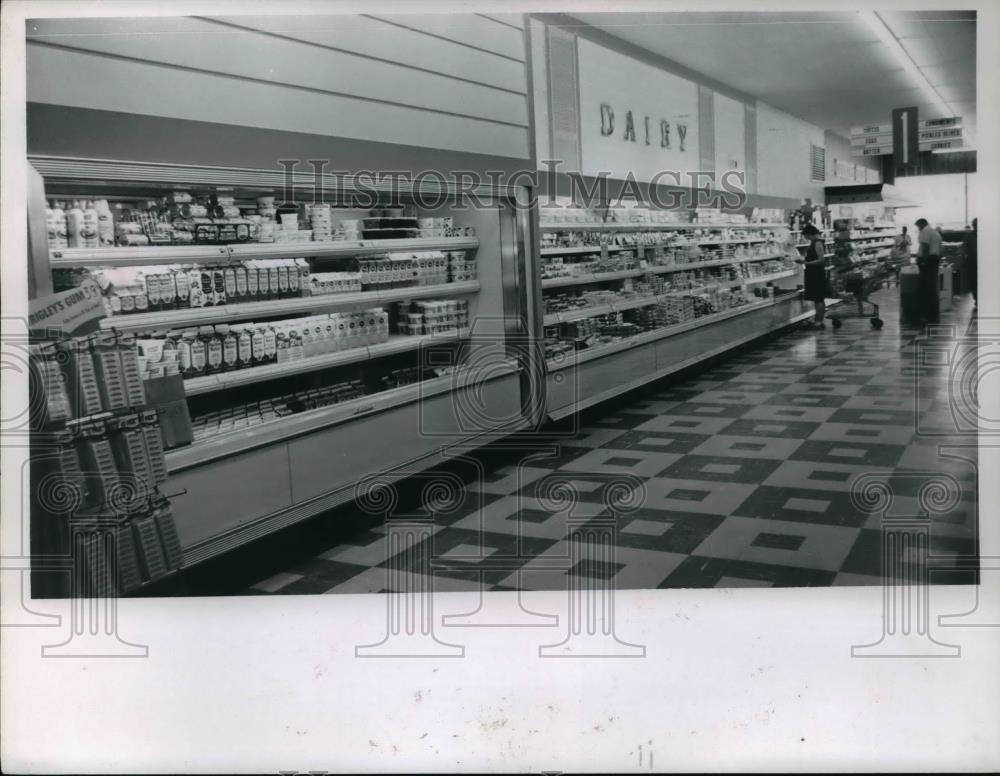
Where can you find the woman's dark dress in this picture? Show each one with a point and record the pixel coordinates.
(817, 286)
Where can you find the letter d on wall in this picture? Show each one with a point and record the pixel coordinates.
(607, 119)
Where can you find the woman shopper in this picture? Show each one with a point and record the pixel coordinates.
(816, 285)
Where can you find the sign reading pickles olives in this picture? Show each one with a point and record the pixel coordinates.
(635, 118)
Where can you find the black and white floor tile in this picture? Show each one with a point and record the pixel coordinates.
(739, 476)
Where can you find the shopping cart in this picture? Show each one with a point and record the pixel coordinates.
(854, 284)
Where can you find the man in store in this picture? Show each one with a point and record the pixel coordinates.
(928, 261)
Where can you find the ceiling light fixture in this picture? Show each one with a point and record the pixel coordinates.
(881, 29)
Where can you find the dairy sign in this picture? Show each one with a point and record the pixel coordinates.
(634, 118)
(661, 133)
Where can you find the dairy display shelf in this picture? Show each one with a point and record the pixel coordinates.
(193, 254)
(258, 374)
(577, 249)
(245, 311)
(856, 239)
(583, 379)
(580, 313)
(579, 280)
(625, 227)
(282, 429)
(770, 278)
(588, 354)
(659, 270)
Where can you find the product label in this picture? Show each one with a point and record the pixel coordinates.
(215, 353)
(245, 352)
(257, 345)
(272, 279)
(184, 355)
(141, 303)
(293, 279)
(230, 351)
(230, 282)
(252, 285)
(181, 284)
(207, 292)
(282, 280)
(219, 286)
(241, 281)
(198, 355)
(195, 293)
(153, 289)
(270, 343)
(168, 290)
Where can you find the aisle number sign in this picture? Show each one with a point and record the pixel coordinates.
(877, 139)
(905, 136)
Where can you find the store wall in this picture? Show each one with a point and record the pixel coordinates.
(783, 154)
(730, 134)
(454, 82)
(624, 107)
(842, 167)
(577, 69)
(950, 201)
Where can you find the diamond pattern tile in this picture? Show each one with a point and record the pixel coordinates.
(739, 476)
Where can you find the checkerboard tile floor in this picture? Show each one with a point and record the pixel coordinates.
(740, 476)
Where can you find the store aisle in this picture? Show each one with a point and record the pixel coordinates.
(743, 478)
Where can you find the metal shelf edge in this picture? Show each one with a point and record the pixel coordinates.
(399, 344)
(291, 306)
(646, 338)
(281, 429)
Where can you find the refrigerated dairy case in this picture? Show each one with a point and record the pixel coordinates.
(302, 338)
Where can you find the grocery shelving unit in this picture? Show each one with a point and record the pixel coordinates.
(241, 484)
(593, 372)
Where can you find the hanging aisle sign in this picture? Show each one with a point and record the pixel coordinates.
(905, 137)
(878, 139)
